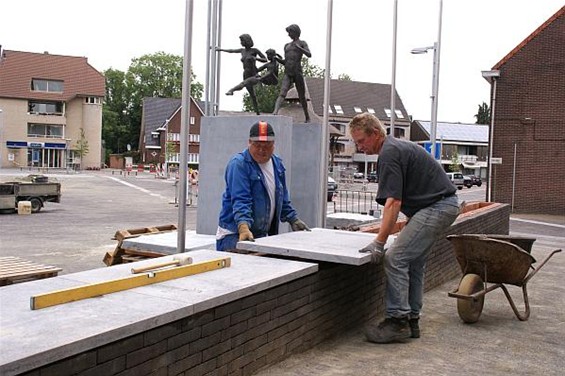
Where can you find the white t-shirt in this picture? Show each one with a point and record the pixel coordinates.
(269, 173)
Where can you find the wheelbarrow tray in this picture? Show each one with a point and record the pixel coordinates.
(495, 258)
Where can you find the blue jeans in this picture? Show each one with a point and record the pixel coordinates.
(405, 260)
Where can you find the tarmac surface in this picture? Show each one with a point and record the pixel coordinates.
(76, 233)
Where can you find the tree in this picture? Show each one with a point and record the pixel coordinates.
(454, 166)
(153, 75)
(81, 146)
(483, 115)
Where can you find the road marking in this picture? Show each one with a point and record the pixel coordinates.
(136, 187)
(537, 222)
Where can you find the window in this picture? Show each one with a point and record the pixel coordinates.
(371, 110)
(173, 137)
(388, 112)
(399, 114)
(357, 109)
(338, 109)
(47, 85)
(45, 108)
(92, 100)
(192, 120)
(45, 130)
(330, 109)
(193, 138)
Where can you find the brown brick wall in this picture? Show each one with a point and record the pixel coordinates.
(530, 116)
(243, 336)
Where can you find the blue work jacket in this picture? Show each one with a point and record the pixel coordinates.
(246, 198)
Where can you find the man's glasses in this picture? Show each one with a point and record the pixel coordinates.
(263, 145)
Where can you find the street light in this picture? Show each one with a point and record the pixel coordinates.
(491, 76)
(435, 80)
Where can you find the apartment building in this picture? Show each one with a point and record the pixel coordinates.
(51, 105)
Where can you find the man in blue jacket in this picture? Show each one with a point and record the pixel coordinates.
(256, 198)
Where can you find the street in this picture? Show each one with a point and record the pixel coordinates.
(76, 233)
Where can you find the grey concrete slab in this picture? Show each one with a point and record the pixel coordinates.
(167, 242)
(318, 245)
(30, 339)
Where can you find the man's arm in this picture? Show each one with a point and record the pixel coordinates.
(390, 216)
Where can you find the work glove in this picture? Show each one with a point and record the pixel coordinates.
(376, 248)
(244, 232)
(298, 225)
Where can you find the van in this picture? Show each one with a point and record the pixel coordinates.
(456, 178)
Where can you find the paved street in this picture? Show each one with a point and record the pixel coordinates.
(76, 233)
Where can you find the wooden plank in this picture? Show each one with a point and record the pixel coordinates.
(96, 289)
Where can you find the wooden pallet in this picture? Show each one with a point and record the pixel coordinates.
(15, 269)
(121, 255)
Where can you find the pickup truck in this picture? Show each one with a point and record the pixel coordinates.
(35, 189)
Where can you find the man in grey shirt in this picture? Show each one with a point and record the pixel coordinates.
(411, 181)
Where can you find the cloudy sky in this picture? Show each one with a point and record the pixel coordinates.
(475, 35)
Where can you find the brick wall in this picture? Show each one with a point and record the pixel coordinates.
(240, 337)
(529, 118)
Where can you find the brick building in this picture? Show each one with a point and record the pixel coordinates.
(528, 122)
(160, 133)
(49, 103)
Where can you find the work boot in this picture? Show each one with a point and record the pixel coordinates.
(414, 328)
(390, 330)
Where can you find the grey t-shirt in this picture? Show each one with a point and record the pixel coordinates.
(408, 173)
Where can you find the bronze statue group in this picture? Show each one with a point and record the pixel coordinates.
(267, 74)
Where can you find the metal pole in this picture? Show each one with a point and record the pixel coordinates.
(513, 179)
(218, 58)
(213, 93)
(209, 52)
(435, 85)
(184, 124)
(393, 78)
(490, 141)
(325, 126)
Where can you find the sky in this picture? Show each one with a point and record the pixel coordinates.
(475, 35)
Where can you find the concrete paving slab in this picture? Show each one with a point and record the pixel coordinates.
(166, 243)
(34, 338)
(320, 244)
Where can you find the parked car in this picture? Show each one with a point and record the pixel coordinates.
(456, 178)
(358, 175)
(332, 188)
(476, 180)
(467, 181)
(372, 177)
(470, 180)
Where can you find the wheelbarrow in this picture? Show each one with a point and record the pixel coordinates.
(496, 260)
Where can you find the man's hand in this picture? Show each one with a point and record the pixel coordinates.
(298, 225)
(376, 248)
(244, 232)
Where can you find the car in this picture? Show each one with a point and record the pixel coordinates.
(358, 175)
(332, 188)
(372, 177)
(476, 180)
(456, 178)
(467, 181)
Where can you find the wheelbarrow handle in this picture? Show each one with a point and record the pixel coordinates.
(539, 266)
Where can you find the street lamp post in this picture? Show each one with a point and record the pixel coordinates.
(435, 80)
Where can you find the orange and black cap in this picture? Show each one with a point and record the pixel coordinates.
(261, 131)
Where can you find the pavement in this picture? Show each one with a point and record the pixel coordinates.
(498, 344)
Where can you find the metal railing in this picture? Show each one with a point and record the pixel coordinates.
(360, 202)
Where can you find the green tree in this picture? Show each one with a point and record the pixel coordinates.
(81, 146)
(483, 115)
(454, 166)
(153, 75)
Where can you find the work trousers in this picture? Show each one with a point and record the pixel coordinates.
(405, 260)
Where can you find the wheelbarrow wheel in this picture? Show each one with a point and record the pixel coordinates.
(470, 309)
